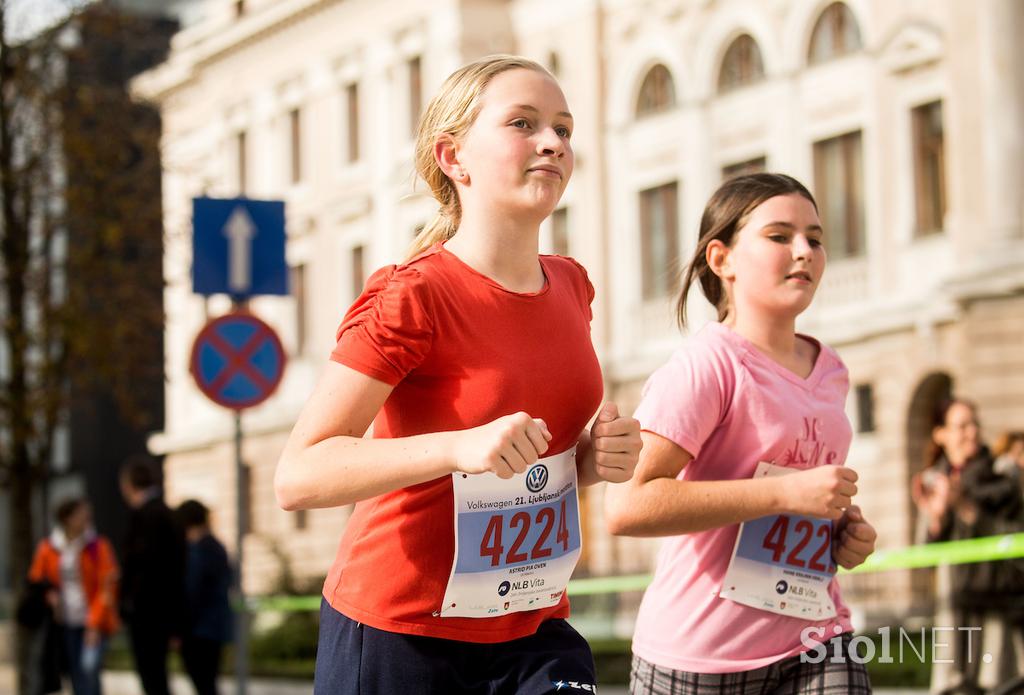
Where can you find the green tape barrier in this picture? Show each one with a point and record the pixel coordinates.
(948, 553)
(284, 604)
(962, 552)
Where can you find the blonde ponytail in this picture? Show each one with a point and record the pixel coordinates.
(440, 229)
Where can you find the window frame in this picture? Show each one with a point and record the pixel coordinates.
(657, 93)
(930, 206)
(749, 71)
(561, 243)
(864, 402)
(352, 129)
(357, 269)
(295, 145)
(414, 85)
(241, 161)
(850, 144)
(831, 20)
(750, 165)
(656, 279)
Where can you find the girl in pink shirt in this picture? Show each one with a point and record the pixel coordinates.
(745, 437)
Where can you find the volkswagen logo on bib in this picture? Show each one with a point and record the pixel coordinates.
(537, 478)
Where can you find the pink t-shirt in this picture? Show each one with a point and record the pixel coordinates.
(731, 406)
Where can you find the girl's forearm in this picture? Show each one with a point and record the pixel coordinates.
(342, 470)
(669, 507)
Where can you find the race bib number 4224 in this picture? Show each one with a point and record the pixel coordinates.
(516, 541)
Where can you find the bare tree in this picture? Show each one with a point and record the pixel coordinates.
(80, 236)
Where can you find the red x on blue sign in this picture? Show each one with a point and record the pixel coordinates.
(237, 361)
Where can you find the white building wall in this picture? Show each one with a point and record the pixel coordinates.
(901, 311)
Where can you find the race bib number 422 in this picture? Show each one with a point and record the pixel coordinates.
(516, 541)
(782, 563)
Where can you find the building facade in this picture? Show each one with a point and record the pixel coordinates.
(904, 118)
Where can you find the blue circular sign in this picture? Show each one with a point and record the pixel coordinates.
(237, 361)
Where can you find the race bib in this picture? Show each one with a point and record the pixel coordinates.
(516, 541)
(782, 563)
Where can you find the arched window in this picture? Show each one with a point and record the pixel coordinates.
(657, 92)
(742, 64)
(835, 34)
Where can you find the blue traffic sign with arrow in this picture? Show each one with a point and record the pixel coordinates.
(238, 247)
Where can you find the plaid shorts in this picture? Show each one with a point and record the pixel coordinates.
(786, 677)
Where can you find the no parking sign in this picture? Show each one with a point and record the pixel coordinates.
(237, 361)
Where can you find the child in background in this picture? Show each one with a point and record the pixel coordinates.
(474, 362)
(82, 569)
(745, 436)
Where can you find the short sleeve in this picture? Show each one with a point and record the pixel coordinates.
(685, 399)
(389, 329)
(586, 286)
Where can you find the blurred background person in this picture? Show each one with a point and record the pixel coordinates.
(44, 660)
(961, 495)
(81, 569)
(1008, 451)
(207, 610)
(153, 590)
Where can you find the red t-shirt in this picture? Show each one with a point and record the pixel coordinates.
(461, 351)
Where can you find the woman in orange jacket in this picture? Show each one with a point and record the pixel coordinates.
(81, 568)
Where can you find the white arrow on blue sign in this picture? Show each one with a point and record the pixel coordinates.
(238, 247)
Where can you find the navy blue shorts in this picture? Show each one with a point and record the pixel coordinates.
(353, 658)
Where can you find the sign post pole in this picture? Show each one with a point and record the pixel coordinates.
(242, 627)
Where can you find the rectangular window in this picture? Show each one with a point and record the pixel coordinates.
(560, 231)
(865, 408)
(298, 283)
(357, 272)
(352, 122)
(839, 189)
(415, 93)
(750, 166)
(929, 168)
(240, 164)
(295, 138)
(659, 244)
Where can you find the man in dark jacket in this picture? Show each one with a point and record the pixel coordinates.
(208, 609)
(153, 574)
